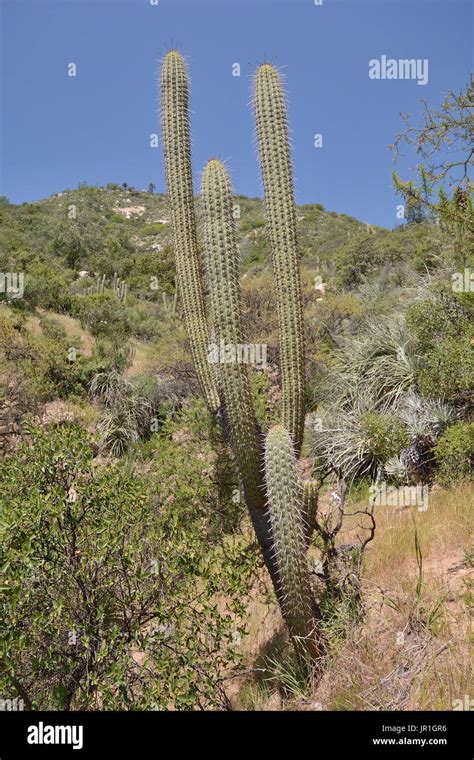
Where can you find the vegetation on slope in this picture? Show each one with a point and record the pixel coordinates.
(129, 577)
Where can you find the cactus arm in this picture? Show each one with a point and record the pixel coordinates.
(275, 162)
(177, 155)
(288, 530)
(221, 255)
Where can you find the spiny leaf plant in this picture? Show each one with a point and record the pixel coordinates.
(278, 504)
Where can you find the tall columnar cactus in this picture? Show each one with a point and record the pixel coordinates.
(177, 154)
(286, 515)
(222, 270)
(275, 162)
(281, 528)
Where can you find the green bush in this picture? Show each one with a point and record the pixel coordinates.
(364, 254)
(257, 252)
(360, 257)
(47, 287)
(152, 229)
(247, 225)
(430, 321)
(76, 239)
(52, 329)
(447, 369)
(110, 597)
(37, 368)
(153, 268)
(183, 460)
(454, 453)
(384, 436)
(102, 314)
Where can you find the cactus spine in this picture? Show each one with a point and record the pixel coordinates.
(177, 154)
(222, 270)
(275, 162)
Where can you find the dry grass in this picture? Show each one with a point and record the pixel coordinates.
(143, 357)
(82, 413)
(412, 648)
(72, 328)
(162, 352)
(443, 530)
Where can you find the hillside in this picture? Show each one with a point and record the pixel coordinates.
(143, 217)
(132, 502)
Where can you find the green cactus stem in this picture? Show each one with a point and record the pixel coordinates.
(285, 512)
(177, 155)
(275, 162)
(222, 271)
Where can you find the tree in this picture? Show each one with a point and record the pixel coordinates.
(79, 237)
(444, 139)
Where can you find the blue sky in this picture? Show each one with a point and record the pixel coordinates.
(58, 130)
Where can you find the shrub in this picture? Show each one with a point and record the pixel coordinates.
(37, 368)
(183, 461)
(152, 229)
(384, 436)
(77, 239)
(109, 598)
(51, 328)
(360, 257)
(153, 272)
(127, 420)
(454, 453)
(102, 314)
(256, 252)
(47, 287)
(251, 224)
(448, 369)
(432, 320)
